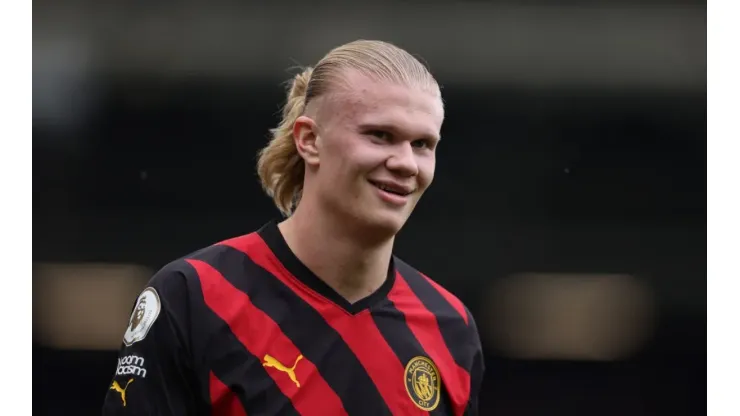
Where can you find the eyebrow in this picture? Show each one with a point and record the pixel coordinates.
(392, 128)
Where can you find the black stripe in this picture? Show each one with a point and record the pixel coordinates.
(222, 352)
(452, 326)
(305, 327)
(393, 326)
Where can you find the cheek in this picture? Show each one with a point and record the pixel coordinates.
(426, 171)
(360, 156)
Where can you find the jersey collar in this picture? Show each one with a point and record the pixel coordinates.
(271, 234)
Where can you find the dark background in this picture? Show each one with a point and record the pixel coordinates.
(542, 169)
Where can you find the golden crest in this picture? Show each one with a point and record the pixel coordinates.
(423, 383)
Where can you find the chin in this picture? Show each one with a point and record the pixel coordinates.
(384, 224)
(374, 220)
(389, 224)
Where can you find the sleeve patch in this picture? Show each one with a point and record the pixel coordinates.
(142, 318)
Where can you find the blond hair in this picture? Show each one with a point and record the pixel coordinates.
(280, 166)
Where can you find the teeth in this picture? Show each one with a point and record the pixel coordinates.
(393, 191)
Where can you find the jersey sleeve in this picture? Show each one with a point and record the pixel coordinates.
(476, 370)
(154, 374)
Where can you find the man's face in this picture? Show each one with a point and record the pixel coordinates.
(376, 147)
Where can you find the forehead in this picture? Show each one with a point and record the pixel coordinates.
(409, 109)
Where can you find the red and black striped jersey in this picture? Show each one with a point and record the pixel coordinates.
(244, 328)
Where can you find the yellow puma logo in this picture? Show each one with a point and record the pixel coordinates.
(117, 387)
(270, 361)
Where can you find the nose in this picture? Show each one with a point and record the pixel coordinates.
(403, 160)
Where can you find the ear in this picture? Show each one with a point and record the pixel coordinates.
(305, 134)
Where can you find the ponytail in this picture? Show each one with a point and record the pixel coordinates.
(279, 165)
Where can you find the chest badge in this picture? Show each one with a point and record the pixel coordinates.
(422, 381)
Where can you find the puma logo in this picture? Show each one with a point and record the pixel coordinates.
(270, 361)
(117, 387)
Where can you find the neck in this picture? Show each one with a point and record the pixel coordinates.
(353, 267)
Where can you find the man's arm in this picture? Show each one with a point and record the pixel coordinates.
(154, 374)
(477, 369)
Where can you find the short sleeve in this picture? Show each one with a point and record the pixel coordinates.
(154, 373)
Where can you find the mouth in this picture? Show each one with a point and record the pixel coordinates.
(393, 189)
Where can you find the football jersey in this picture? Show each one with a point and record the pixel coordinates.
(244, 328)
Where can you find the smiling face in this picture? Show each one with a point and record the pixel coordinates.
(370, 150)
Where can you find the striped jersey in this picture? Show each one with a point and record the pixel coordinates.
(244, 328)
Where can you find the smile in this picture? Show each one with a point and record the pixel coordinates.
(392, 188)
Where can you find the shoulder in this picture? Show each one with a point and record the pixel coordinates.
(233, 261)
(182, 275)
(437, 299)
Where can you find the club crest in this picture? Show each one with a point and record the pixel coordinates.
(422, 381)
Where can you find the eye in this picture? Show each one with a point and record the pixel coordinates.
(380, 134)
(422, 144)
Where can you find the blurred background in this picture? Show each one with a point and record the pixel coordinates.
(568, 210)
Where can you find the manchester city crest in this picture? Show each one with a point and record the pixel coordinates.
(422, 381)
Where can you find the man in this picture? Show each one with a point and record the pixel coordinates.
(314, 315)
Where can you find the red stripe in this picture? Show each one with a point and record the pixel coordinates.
(223, 401)
(359, 331)
(449, 297)
(260, 335)
(418, 318)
